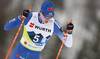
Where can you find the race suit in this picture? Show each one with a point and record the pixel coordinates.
(35, 35)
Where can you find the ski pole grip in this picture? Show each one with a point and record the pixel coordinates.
(69, 22)
(29, 9)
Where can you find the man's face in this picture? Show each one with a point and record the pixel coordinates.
(45, 18)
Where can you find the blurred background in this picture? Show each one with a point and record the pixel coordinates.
(86, 33)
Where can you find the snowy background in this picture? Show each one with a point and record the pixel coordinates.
(86, 33)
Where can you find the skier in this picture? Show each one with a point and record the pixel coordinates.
(38, 28)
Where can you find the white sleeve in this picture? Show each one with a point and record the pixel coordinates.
(69, 40)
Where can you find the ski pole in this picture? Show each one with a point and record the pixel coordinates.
(65, 34)
(16, 35)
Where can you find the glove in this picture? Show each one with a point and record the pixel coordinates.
(70, 28)
(24, 14)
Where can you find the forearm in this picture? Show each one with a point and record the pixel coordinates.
(69, 40)
(16, 22)
(12, 23)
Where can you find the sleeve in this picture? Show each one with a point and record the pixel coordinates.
(59, 32)
(16, 22)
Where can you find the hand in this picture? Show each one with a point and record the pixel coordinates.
(24, 14)
(70, 28)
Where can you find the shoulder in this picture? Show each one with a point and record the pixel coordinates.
(34, 13)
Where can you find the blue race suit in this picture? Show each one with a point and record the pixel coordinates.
(35, 35)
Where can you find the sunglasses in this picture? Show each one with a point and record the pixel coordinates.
(47, 17)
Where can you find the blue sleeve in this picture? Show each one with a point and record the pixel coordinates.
(16, 22)
(58, 30)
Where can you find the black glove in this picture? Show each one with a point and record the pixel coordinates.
(69, 28)
(25, 13)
